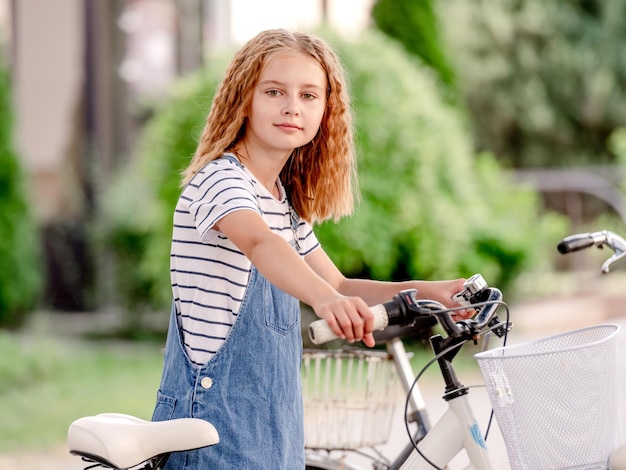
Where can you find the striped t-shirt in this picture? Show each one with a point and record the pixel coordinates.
(209, 273)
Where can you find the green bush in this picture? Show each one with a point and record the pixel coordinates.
(20, 278)
(416, 26)
(543, 81)
(427, 209)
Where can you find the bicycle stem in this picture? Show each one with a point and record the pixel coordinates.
(445, 351)
(486, 301)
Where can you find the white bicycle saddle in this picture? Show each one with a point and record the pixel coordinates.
(124, 441)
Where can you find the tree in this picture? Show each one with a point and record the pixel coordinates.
(20, 279)
(543, 81)
(416, 26)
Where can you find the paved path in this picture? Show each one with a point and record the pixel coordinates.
(59, 459)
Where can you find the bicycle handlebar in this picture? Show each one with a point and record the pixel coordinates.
(580, 241)
(405, 309)
(600, 239)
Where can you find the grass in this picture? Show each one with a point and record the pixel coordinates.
(46, 383)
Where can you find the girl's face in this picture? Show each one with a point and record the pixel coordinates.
(288, 103)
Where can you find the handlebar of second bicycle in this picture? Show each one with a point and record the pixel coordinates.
(404, 309)
(601, 239)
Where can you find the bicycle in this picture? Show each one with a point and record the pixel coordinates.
(120, 442)
(435, 447)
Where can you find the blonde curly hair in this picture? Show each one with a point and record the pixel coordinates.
(320, 177)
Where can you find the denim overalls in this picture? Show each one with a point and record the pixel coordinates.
(250, 390)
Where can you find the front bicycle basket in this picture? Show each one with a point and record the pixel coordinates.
(349, 398)
(556, 399)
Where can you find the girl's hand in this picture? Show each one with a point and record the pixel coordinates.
(442, 291)
(349, 317)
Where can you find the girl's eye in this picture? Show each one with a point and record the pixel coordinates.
(308, 96)
(273, 92)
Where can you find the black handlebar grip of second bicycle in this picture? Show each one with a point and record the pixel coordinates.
(575, 242)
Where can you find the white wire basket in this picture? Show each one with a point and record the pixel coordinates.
(556, 400)
(349, 398)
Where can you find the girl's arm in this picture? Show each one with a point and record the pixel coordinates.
(347, 315)
(375, 292)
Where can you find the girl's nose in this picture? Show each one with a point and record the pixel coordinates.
(290, 108)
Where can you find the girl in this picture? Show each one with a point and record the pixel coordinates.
(276, 156)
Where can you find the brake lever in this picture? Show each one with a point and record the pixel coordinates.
(606, 266)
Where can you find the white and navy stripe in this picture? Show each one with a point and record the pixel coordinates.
(209, 274)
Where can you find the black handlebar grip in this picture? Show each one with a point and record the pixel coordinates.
(575, 243)
(394, 312)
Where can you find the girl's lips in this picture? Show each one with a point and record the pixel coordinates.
(288, 125)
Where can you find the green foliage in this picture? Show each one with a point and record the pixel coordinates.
(428, 209)
(20, 279)
(415, 25)
(543, 81)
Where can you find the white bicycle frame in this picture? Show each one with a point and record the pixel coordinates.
(457, 430)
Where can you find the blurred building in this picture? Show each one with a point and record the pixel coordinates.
(79, 70)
